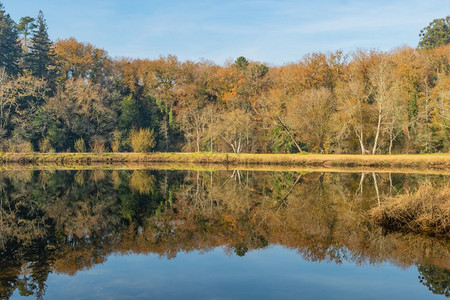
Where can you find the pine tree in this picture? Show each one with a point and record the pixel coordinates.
(39, 60)
(10, 49)
(25, 26)
(436, 34)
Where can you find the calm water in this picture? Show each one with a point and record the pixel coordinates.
(148, 234)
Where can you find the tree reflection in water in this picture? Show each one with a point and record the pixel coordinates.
(67, 221)
(436, 279)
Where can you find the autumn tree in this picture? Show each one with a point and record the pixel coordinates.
(164, 84)
(354, 93)
(195, 123)
(84, 111)
(235, 129)
(20, 101)
(311, 116)
(380, 76)
(76, 60)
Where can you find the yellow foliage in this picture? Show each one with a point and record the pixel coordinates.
(142, 140)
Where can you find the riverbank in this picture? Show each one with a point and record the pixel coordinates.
(426, 161)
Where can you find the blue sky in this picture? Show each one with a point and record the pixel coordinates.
(275, 32)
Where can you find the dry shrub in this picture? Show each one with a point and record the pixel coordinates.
(24, 147)
(97, 175)
(80, 145)
(98, 146)
(116, 179)
(20, 175)
(427, 211)
(45, 146)
(115, 145)
(80, 177)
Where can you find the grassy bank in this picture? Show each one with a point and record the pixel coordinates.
(426, 211)
(428, 161)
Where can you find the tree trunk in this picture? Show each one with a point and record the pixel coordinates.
(377, 136)
(375, 183)
(198, 140)
(290, 134)
(391, 142)
(361, 142)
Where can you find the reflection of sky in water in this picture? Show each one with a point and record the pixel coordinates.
(271, 273)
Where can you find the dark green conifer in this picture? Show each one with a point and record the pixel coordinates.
(39, 59)
(10, 49)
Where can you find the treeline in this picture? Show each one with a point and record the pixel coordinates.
(71, 96)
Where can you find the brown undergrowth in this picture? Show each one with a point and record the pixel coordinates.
(427, 211)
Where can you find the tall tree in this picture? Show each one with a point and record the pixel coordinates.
(311, 116)
(436, 34)
(10, 50)
(39, 60)
(25, 27)
(82, 60)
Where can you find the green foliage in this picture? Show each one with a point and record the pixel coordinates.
(436, 34)
(436, 279)
(39, 61)
(258, 71)
(280, 141)
(10, 49)
(129, 115)
(241, 62)
(142, 140)
(25, 27)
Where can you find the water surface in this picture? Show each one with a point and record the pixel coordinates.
(140, 234)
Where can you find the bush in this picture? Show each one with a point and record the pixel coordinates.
(80, 145)
(426, 211)
(45, 146)
(142, 140)
(97, 146)
(115, 145)
(23, 147)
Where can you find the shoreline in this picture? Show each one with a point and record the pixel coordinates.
(326, 161)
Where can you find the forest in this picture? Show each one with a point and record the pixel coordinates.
(70, 96)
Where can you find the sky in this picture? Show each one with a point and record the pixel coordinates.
(270, 31)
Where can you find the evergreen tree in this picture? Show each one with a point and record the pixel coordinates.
(436, 34)
(241, 62)
(25, 27)
(10, 49)
(39, 59)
